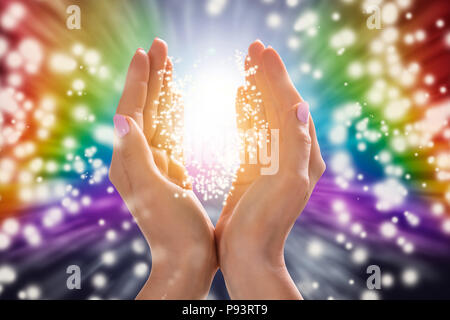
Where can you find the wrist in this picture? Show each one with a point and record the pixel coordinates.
(243, 278)
(182, 277)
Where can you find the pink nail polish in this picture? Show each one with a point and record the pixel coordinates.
(303, 112)
(121, 125)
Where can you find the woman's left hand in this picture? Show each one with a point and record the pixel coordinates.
(147, 171)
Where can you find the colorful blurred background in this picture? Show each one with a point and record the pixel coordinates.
(379, 98)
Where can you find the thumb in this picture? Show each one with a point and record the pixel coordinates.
(298, 139)
(133, 150)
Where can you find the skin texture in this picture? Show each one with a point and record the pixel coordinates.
(262, 209)
(155, 188)
(248, 241)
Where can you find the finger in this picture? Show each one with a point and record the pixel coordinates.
(298, 140)
(242, 118)
(249, 89)
(134, 152)
(248, 140)
(316, 164)
(117, 175)
(259, 118)
(279, 81)
(178, 127)
(242, 121)
(135, 92)
(163, 131)
(158, 56)
(179, 175)
(271, 115)
(248, 75)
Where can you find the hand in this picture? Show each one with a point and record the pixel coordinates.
(147, 171)
(262, 209)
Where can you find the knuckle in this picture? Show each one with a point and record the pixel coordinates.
(127, 154)
(323, 166)
(302, 180)
(299, 181)
(304, 137)
(318, 170)
(112, 174)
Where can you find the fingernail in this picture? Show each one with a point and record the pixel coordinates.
(269, 47)
(140, 50)
(303, 112)
(121, 125)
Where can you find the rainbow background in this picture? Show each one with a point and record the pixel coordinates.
(379, 98)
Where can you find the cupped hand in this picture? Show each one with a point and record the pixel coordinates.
(147, 170)
(261, 209)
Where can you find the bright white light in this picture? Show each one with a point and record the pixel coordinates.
(315, 249)
(12, 15)
(5, 241)
(387, 280)
(17, 10)
(429, 79)
(389, 13)
(109, 258)
(410, 277)
(342, 39)
(78, 85)
(141, 269)
(390, 35)
(99, 280)
(111, 235)
(14, 60)
(338, 134)
(31, 51)
(356, 70)
(7, 274)
(404, 3)
(437, 209)
(390, 194)
(359, 256)
(335, 16)
(446, 226)
(62, 63)
(447, 39)
(340, 238)
(306, 21)
(210, 133)
(11, 226)
(273, 20)
(32, 235)
(370, 295)
(292, 3)
(388, 230)
(3, 46)
(215, 7)
(138, 246)
(104, 134)
(52, 217)
(92, 57)
(293, 43)
(420, 35)
(33, 292)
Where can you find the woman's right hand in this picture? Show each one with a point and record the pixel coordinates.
(252, 230)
